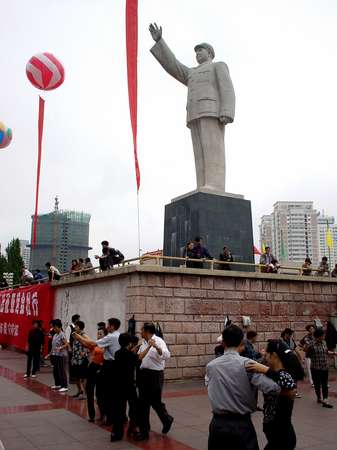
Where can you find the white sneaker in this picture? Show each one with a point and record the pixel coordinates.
(55, 387)
(26, 376)
(33, 376)
(63, 390)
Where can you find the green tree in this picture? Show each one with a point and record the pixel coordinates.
(3, 266)
(14, 260)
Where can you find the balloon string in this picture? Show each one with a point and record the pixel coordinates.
(40, 134)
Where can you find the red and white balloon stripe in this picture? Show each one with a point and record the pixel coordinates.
(45, 71)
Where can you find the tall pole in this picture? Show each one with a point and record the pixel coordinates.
(328, 244)
(138, 223)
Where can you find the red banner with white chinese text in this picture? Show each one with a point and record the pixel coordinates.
(19, 307)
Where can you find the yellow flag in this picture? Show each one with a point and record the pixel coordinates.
(263, 249)
(329, 240)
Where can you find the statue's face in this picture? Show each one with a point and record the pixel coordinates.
(202, 55)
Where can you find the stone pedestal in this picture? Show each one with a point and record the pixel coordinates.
(220, 219)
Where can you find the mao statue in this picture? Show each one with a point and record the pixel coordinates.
(210, 107)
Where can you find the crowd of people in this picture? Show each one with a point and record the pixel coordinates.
(107, 260)
(119, 370)
(270, 264)
(196, 250)
(121, 376)
(322, 270)
(80, 266)
(239, 371)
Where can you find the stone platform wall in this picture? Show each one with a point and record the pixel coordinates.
(190, 305)
(191, 308)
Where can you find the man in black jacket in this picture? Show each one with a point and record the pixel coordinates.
(200, 252)
(35, 343)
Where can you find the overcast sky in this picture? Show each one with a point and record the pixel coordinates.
(282, 145)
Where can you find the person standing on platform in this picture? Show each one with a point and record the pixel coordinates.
(89, 268)
(35, 343)
(27, 277)
(152, 353)
(74, 267)
(110, 345)
(53, 272)
(225, 256)
(68, 333)
(323, 268)
(231, 392)
(334, 272)
(188, 253)
(268, 260)
(200, 252)
(307, 267)
(104, 259)
(38, 277)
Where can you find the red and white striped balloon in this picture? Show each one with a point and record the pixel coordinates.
(45, 72)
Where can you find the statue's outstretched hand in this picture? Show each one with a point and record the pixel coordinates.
(156, 32)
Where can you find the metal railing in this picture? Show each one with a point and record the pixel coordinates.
(216, 262)
(211, 264)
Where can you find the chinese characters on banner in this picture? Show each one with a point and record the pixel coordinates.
(19, 307)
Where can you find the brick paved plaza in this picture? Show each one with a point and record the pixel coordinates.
(34, 417)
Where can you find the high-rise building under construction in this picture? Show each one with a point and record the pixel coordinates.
(61, 236)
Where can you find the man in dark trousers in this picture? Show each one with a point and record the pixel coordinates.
(231, 392)
(35, 343)
(153, 353)
(318, 354)
(125, 388)
(110, 345)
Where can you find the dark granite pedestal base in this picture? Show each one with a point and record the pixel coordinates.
(219, 219)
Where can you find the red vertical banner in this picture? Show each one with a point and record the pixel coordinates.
(131, 15)
(40, 134)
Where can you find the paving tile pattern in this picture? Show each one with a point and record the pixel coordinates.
(54, 421)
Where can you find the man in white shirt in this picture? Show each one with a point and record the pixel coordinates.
(27, 277)
(53, 272)
(110, 345)
(231, 393)
(152, 353)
